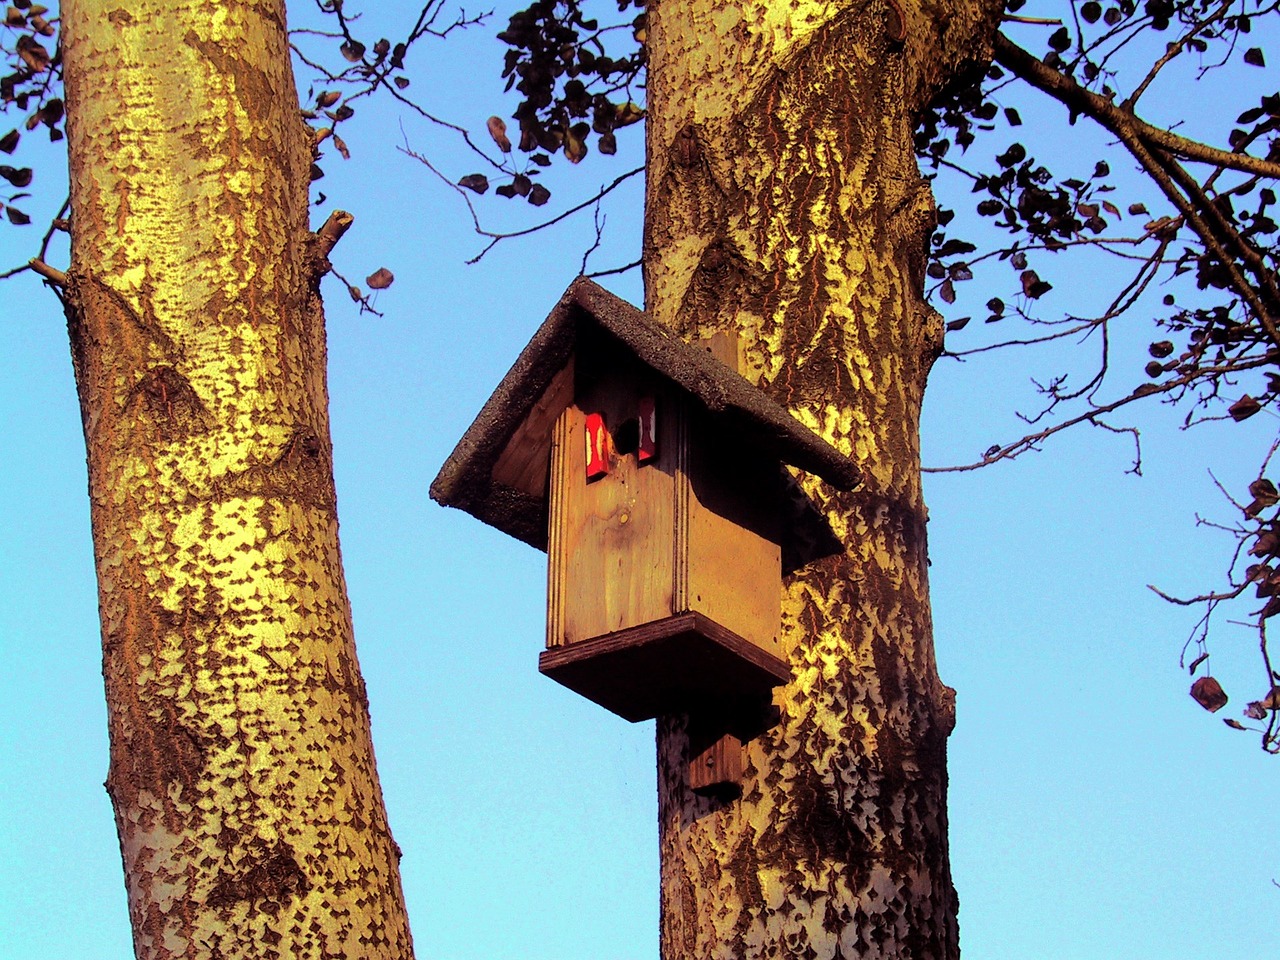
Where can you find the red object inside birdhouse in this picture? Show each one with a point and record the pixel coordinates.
(597, 446)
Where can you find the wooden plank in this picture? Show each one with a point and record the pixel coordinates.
(734, 557)
(715, 767)
(524, 461)
(615, 551)
(561, 458)
(674, 665)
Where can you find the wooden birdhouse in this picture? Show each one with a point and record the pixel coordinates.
(653, 475)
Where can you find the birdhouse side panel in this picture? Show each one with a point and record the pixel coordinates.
(734, 565)
(612, 540)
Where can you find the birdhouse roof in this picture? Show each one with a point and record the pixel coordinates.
(531, 396)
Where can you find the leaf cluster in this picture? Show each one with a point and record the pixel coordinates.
(29, 87)
(573, 91)
(1199, 221)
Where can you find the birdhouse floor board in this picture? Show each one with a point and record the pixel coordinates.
(674, 665)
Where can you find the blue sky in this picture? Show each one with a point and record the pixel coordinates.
(1096, 811)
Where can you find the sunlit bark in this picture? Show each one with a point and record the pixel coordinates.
(784, 202)
(250, 817)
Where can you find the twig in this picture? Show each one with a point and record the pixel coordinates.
(54, 276)
(606, 273)
(327, 236)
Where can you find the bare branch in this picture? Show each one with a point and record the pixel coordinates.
(327, 236)
(1116, 119)
(53, 275)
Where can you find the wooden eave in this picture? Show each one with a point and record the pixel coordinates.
(537, 387)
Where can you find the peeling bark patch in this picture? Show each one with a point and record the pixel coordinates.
(156, 753)
(272, 878)
(251, 86)
(823, 829)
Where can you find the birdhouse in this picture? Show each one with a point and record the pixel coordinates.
(653, 475)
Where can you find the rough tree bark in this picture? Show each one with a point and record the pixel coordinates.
(784, 202)
(242, 776)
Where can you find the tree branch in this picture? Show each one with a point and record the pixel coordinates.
(1141, 139)
(1066, 91)
(53, 275)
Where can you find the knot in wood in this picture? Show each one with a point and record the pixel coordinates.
(685, 149)
(895, 22)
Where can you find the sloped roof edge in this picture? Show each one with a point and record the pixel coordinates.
(464, 481)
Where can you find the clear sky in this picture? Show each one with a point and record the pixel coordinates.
(1096, 811)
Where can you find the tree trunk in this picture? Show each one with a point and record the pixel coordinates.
(784, 202)
(242, 776)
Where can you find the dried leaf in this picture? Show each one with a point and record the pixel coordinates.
(1033, 286)
(1209, 694)
(342, 147)
(400, 82)
(9, 142)
(575, 145)
(327, 99)
(1191, 667)
(959, 324)
(355, 293)
(380, 279)
(627, 114)
(352, 51)
(1244, 408)
(498, 131)
(947, 291)
(18, 177)
(1267, 544)
(1265, 491)
(1272, 700)
(475, 181)
(1234, 724)
(35, 56)
(1255, 711)
(539, 195)
(1253, 57)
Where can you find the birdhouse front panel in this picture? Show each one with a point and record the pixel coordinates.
(654, 512)
(612, 514)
